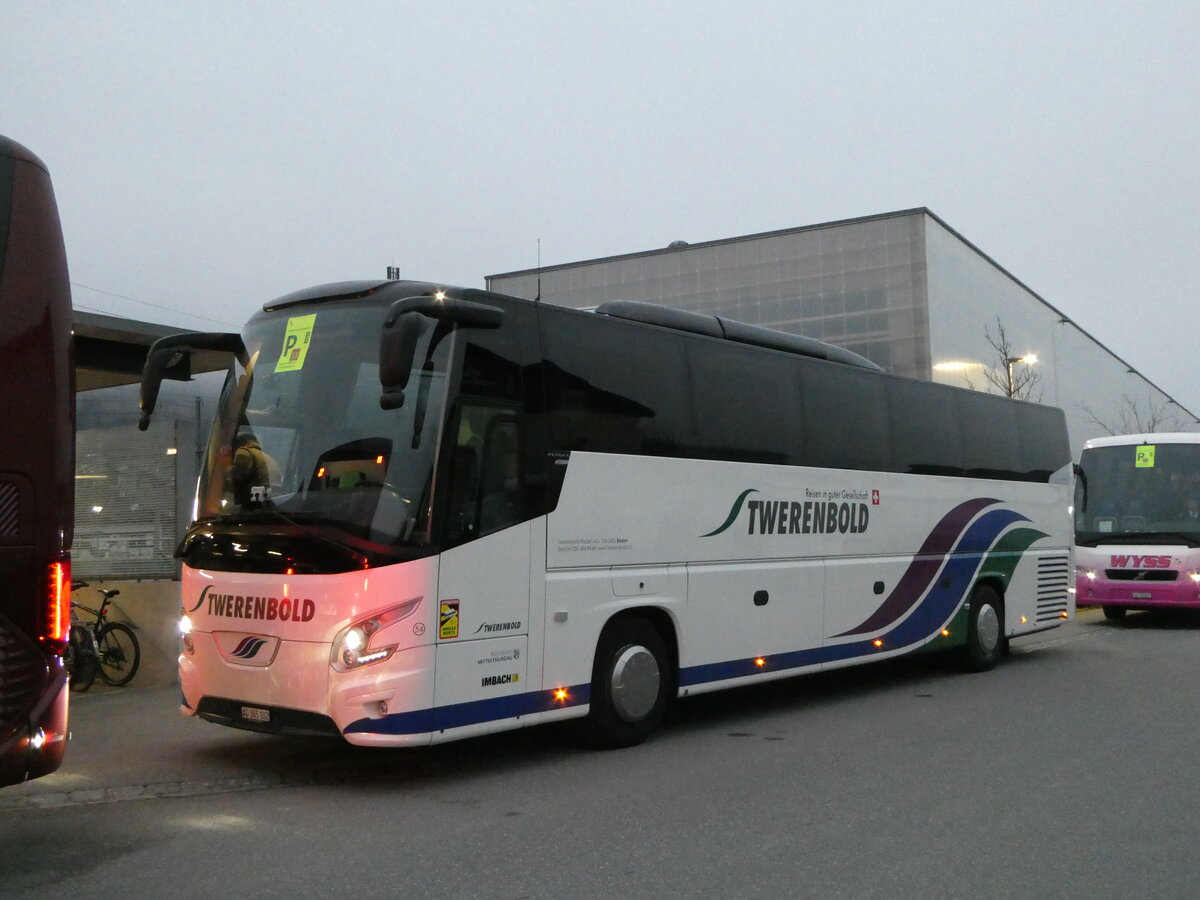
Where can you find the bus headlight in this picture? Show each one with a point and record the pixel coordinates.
(1084, 572)
(360, 644)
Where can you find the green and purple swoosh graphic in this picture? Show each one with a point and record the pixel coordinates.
(932, 556)
(964, 543)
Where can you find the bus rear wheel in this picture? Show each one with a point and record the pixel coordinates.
(632, 679)
(985, 629)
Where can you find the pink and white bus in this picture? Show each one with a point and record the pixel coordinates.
(1137, 523)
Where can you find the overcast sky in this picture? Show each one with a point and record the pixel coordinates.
(209, 156)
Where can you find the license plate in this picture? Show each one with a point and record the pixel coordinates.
(254, 714)
(1141, 595)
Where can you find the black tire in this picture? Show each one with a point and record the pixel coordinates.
(985, 630)
(633, 679)
(120, 653)
(81, 658)
(1114, 613)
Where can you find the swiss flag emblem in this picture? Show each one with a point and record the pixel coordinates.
(874, 498)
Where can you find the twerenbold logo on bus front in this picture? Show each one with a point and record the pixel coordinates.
(265, 609)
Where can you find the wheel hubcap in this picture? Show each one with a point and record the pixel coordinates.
(635, 682)
(987, 628)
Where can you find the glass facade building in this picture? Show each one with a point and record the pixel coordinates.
(903, 289)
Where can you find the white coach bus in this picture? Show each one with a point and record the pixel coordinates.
(429, 513)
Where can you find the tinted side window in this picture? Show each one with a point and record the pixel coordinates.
(613, 387)
(990, 445)
(847, 424)
(745, 403)
(1044, 445)
(926, 437)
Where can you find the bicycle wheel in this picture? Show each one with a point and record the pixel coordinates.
(119, 653)
(82, 661)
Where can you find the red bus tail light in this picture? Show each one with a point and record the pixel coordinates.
(58, 602)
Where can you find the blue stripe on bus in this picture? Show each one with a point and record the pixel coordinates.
(473, 712)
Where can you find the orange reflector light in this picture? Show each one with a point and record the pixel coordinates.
(1063, 614)
(561, 694)
(760, 662)
(945, 632)
(321, 472)
(379, 460)
(877, 642)
(1023, 620)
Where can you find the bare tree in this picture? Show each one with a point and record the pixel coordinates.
(1138, 417)
(1013, 376)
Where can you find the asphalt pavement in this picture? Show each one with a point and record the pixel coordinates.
(133, 743)
(125, 743)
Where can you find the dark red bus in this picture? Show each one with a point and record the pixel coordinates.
(37, 463)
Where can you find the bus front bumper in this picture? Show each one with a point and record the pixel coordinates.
(300, 693)
(1183, 593)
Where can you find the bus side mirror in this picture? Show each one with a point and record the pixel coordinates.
(157, 365)
(402, 327)
(397, 347)
(169, 358)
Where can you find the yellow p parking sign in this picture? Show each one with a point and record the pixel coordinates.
(1144, 458)
(295, 343)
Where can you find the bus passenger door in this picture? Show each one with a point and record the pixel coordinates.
(483, 582)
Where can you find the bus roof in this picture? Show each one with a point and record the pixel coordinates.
(629, 310)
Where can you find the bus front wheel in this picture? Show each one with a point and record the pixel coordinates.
(631, 684)
(1114, 613)
(985, 629)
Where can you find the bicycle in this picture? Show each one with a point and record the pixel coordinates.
(82, 656)
(118, 652)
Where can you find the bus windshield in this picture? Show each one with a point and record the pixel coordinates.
(300, 437)
(1139, 493)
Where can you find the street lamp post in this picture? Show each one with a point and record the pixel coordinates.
(1010, 361)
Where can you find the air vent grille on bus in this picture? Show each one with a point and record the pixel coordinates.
(1053, 581)
(22, 671)
(10, 509)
